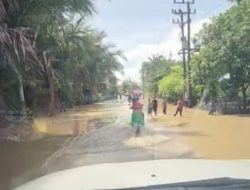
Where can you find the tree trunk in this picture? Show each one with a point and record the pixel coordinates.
(22, 98)
(21, 91)
(50, 75)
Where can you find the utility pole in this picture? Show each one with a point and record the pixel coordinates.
(189, 51)
(143, 84)
(186, 45)
(183, 38)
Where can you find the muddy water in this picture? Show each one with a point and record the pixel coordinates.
(213, 137)
(84, 118)
(19, 161)
(22, 161)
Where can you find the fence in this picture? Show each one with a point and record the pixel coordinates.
(14, 115)
(233, 107)
(227, 106)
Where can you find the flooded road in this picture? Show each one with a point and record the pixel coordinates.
(222, 137)
(24, 161)
(101, 133)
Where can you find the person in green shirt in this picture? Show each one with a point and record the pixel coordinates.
(137, 119)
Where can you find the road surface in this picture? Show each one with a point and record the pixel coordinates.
(115, 142)
(106, 136)
(195, 135)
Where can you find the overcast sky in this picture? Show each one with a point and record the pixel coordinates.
(144, 27)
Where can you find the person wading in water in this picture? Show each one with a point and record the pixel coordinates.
(155, 106)
(150, 108)
(137, 118)
(164, 106)
(179, 109)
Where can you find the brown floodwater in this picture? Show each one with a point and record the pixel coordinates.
(213, 137)
(22, 161)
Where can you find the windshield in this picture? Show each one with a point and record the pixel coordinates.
(89, 82)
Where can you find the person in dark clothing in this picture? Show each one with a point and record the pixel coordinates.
(155, 106)
(164, 107)
(150, 108)
(134, 99)
(129, 98)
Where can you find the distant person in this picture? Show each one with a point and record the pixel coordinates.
(179, 109)
(137, 119)
(129, 98)
(212, 107)
(150, 109)
(134, 99)
(155, 106)
(137, 97)
(164, 106)
(120, 98)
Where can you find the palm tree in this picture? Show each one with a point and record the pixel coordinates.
(48, 19)
(81, 59)
(93, 60)
(16, 50)
(45, 34)
(50, 29)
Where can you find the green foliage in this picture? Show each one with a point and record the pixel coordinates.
(10, 87)
(153, 70)
(52, 51)
(128, 86)
(171, 85)
(225, 50)
(238, 1)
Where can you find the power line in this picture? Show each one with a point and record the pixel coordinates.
(164, 27)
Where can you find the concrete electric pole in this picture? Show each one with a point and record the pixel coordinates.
(186, 43)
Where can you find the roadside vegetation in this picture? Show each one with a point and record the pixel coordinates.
(220, 71)
(49, 56)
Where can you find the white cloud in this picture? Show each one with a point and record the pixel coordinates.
(170, 43)
(197, 26)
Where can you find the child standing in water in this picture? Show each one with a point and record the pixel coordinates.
(137, 119)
